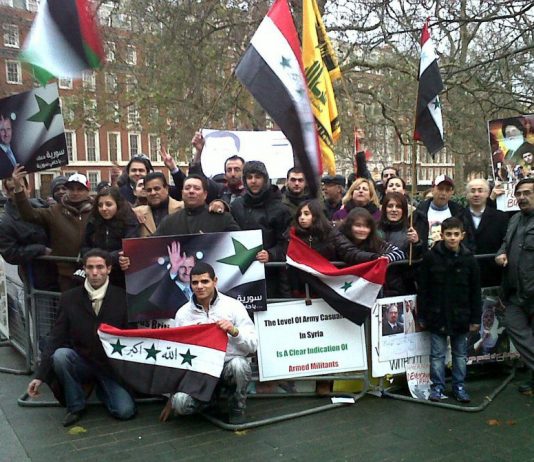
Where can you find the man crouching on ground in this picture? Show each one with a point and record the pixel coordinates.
(206, 306)
(84, 362)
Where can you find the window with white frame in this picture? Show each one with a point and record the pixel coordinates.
(134, 143)
(89, 80)
(6, 3)
(94, 179)
(89, 109)
(105, 14)
(92, 148)
(70, 138)
(113, 111)
(109, 48)
(32, 5)
(110, 82)
(131, 83)
(114, 146)
(131, 55)
(133, 116)
(154, 144)
(65, 83)
(11, 36)
(13, 72)
(66, 109)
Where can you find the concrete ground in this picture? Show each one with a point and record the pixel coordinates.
(373, 429)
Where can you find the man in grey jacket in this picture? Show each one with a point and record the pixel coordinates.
(516, 255)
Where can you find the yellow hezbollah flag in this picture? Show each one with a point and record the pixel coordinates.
(321, 67)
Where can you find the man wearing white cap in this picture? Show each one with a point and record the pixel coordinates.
(432, 212)
(64, 222)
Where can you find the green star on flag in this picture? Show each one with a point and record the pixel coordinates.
(117, 347)
(46, 113)
(188, 357)
(346, 285)
(242, 258)
(436, 103)
(151, 352)
(285, 62)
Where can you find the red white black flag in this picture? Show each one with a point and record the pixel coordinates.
(428, 121)
(156, 361)
(351, 291)
(272, 71)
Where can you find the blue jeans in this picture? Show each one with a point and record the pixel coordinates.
(438, 350)
(73, 371)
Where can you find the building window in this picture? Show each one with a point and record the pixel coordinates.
(65, 83)
(11, 36)
(109, 48)
(113, 112)
(131, 83)
(114, 146)
(6, 3)
(32, 5)
(66, 110)
(111, 82)
(13, 72)
(133, 115)
(105, 14)
(134, 141)
(91, 146)
(94, 179)
(89, 110)
(89, 80)
(131, 55)
(70, 138)
(154, 144)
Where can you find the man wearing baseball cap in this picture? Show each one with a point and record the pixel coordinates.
(432, 212)
(64, 222)
(333, 186)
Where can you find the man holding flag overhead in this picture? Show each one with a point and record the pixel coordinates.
(69, 370)
(320, 64)
(428, 121)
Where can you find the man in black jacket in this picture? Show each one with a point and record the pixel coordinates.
(485, 229)
(83, 362)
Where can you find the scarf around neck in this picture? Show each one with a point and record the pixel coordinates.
(96, 295)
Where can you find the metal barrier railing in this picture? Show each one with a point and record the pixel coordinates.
(41, 308)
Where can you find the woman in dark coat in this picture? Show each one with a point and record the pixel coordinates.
(111, 220)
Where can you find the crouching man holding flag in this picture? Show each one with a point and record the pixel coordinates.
(206, 306)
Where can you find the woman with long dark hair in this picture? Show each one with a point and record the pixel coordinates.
(360, 228)
(111, 220)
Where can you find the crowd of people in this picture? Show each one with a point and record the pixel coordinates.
(352, 222)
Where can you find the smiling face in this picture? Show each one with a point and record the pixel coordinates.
(136, 171)
(395, 185)
(156, 192)
(193, 193)
(360, 230)
(184, 270)
(6, 131)
(107, 207)
(393, 211)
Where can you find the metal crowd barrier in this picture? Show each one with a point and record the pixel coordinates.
(42, 307)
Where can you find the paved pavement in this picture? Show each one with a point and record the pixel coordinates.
(374, 429)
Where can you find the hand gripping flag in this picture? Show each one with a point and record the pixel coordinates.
(428, 121)
(321, 66)
(351, 291)
(272, 71)
(156, 361)
(64, 40)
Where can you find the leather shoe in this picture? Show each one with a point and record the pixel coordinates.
(236, 416)
(72, 417)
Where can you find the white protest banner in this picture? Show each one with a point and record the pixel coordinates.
(507, 201)
(299, 340)
(418, 378)
(270, 147)
(4, 321)
(395, 337)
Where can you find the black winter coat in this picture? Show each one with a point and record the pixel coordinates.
(448, 297)
(267, 213)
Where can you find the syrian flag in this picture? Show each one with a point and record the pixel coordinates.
(272, 71)
(156, 361)
(428, 121)
(351, 291)
(64, 40)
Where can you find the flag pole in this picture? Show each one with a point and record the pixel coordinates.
(413, 191)
(207, 117)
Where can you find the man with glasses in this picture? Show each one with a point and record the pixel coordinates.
(516, 256)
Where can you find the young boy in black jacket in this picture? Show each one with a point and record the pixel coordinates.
(449, 305)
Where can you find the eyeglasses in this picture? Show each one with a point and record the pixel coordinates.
(526, 193)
